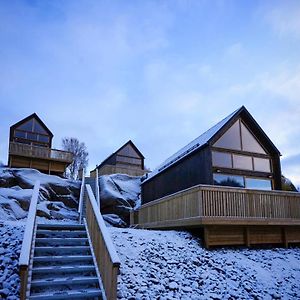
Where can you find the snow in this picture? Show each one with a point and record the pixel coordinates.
(119, 195)
(191, 147)
(174, 265)
(58, 197)
(11, 235)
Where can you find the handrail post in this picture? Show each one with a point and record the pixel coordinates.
(24, 259)
(80, 205)
(97, 188)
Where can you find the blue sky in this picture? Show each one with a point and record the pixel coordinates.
(157, 72)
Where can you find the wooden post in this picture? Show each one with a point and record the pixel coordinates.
(284, 237)
(247, 236)
(206, 237)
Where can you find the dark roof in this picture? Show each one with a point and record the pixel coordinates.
(129, 142)
(205, 138)
(35, 116)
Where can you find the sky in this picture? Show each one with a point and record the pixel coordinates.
(157, 72)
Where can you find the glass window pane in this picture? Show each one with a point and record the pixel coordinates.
(220, 159)
(31, 136)
(20, 134)
(242, 162)
(262, 164)
(228, 180)
(258, 184)
(231, 138)
(249, 142)
(38, 128)
(27, 125)
(43, 138)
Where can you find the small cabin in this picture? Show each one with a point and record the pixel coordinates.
(235, 152)
(30, 146)
(128, 159)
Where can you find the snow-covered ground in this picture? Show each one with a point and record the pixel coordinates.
(11, 235)
(174, 265)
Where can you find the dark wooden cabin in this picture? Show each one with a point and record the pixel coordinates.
(235, 152)
(126, 160)
(30, 146)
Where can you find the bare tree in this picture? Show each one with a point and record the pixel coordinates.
(80, 156)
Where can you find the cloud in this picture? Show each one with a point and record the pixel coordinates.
(285, 18)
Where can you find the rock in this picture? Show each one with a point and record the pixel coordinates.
(119, 194)
(173, 285)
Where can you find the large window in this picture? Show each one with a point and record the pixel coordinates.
(228, 180)
(242, 181)
(221, 159)
(239, 137)
(241, 162)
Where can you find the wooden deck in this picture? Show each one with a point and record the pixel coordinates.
(228, 216)
(44, 159)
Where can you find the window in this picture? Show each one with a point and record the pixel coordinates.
(249, 142)
(221, 159)
(43, 138)
(258, 184)
(20, 134)
(242, 162)
(27, 126)
(228, 180)
(262, 164)
(38, 128)
(231, 138)
(31, 136)
(238, 137)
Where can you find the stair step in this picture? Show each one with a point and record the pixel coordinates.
(60, 233)
(75, 294)
(60, 258)
(61, 241)
(61, 226)
(63, 281)
(61, 250)
(63, 269)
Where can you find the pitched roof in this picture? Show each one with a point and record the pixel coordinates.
(201, 141)
(32, 116)
(129, 142)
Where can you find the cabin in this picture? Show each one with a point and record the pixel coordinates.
(235, 152)
(226, 185)
(30, 146)
(126, 160)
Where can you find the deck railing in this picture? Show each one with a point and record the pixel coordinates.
(106, 255)
(220, 203)
(39, 152)
(24, 260)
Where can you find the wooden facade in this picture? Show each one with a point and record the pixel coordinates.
(227, 215)
(236, 152)
(126, 160)
(30, 143)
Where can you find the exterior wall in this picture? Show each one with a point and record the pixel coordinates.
(192, 170)
(110, 169)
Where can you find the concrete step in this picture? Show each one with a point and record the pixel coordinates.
(63, 269)
(90, 293)
(61, 226)
(60, 233)
(61, 241)
(48, 282)
(65, 258)
(61, 250)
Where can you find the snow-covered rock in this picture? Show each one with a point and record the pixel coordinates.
(174, 265)
(119, 194)
(58, 196)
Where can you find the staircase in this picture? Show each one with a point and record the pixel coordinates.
(63, 264)
(91, 182)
